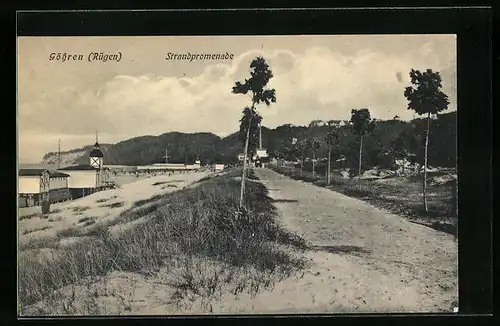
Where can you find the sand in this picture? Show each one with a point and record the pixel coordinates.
(103, 206)
(366, 261)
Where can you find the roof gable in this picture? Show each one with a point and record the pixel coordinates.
(96, 153)
(30, 172)
(81, 167)
(39, 172)
(39, 166)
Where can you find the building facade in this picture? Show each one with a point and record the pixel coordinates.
(34, 184)
(39, 184)
(86, 179)
(219, 167)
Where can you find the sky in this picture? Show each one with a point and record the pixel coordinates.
(315, 78)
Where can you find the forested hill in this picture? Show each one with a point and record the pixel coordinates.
(210, 148)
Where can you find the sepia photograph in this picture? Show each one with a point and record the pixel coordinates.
(194, 175)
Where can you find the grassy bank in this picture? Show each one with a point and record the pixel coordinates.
(399, 195)
(183, 231)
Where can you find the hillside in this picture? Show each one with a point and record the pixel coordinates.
(184, 147)
(74, 156)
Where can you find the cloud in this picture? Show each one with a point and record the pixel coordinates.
(315, 84)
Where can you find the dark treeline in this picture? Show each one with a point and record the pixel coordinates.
(379, 148)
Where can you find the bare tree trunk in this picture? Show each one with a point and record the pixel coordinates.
(404, 161)
(301, 165)
(314, 163)
(360, 151)
(242, 190)
(328, 172)
(425, 162)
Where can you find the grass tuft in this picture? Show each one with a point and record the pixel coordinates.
(84, 219)
(36, 229)
(29, 216)
(114, 205)
(80, 209)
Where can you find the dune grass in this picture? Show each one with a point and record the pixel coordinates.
(185, 230)
(35, 229)
(114, 205)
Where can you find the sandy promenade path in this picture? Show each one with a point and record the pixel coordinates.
(367, 260)
(102, 207)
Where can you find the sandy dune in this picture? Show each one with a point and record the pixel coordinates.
(103, 206)
(366, 261)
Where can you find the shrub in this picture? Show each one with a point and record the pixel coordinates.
(114, 205)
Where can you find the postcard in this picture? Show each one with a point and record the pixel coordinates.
(167, 175)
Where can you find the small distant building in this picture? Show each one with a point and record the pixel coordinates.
(318, 123)
(32, 183)
(260, 157)
(87, 179)
(96, 156)
(219, 167)
(338, 123)
(158, 167)
(190, 167)
(262, 152)
(164, 167)
(122, 169)
(261, 161)
(195, 166)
